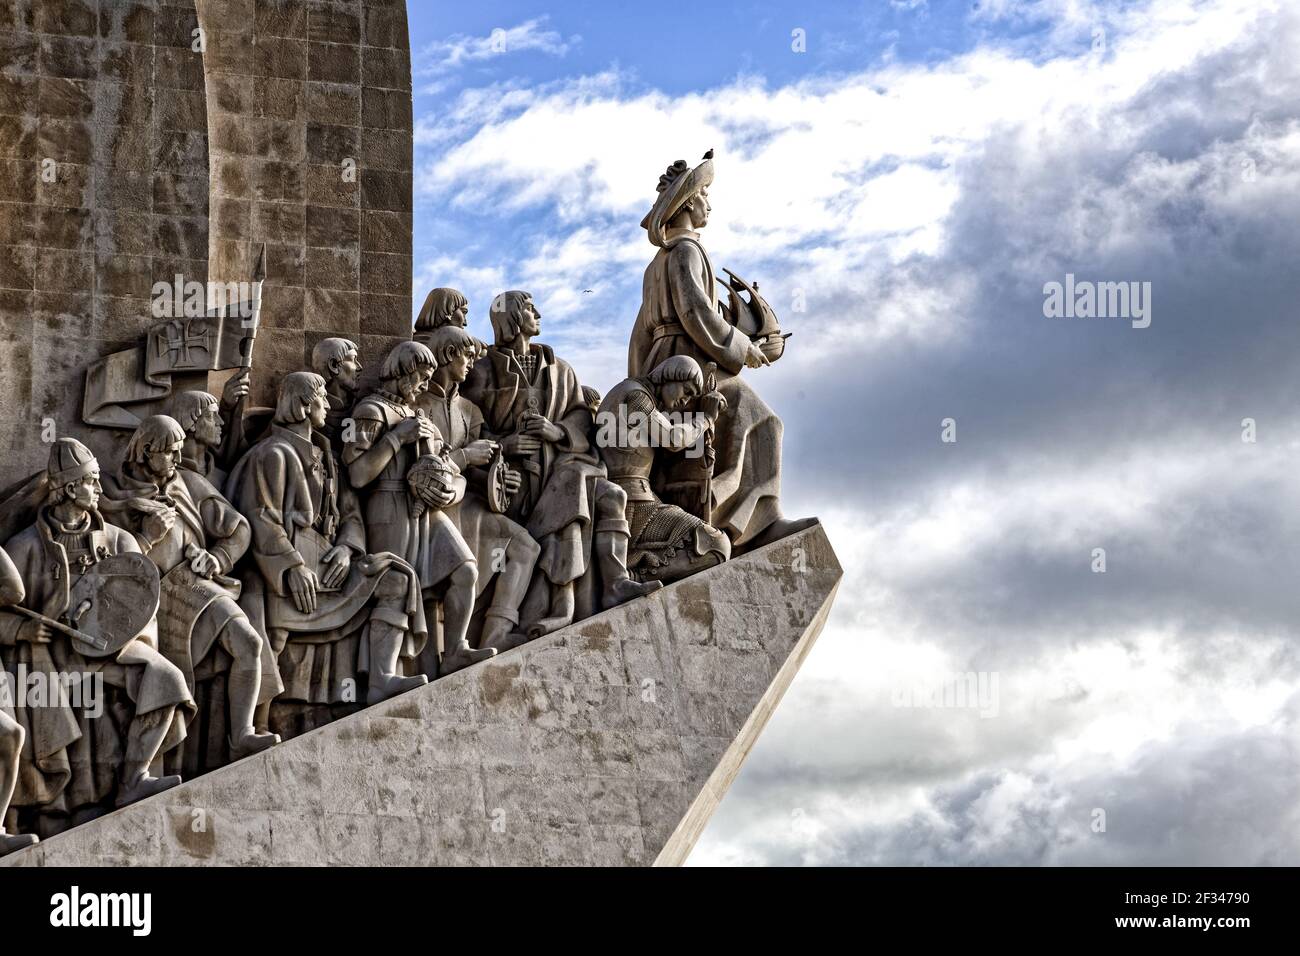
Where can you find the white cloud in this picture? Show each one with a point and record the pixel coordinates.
(920, 208)
(459, 50)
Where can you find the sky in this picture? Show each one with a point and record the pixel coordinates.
(1109, 546)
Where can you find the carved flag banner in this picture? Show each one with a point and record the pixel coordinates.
(174, 346)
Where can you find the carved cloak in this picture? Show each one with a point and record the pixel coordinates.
(557, 500)
(292, 488)
(679, 315)
(70, 760)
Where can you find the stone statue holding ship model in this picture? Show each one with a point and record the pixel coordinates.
(681, 315)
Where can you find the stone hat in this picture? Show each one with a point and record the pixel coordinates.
(676, 187)
(69, 460)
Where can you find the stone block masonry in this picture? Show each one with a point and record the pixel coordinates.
(309, 107)
(128, 156)
(103, 191)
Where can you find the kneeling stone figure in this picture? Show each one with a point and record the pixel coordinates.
(667, 543)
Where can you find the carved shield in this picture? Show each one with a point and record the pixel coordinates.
(113, 602)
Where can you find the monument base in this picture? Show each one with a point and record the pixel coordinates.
(609, 742)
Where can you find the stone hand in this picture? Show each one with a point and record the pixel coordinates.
(338, 560)
(413, 429)
(158, 524)
(513, 480)
(440, 496)
(539, 426)
(35, 632)
(713, 404)
(302, 584)
(520, 446)
(755, 358)
(479, 452)
(236, 388)
(204, 564)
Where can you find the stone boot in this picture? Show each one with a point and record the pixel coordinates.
(13, 842)
(462, 656)
(248, 742)
(611, 551)
(144, 786)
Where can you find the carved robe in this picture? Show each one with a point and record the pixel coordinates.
(429, 541)
(300, 506)
(70, 760)
(680, 316)
(557, 500)
(460, 422)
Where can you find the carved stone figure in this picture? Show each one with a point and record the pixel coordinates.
(332, 609)
(391, 439)
(503, 550)
(71, 758)
(200, 415)
(442, 307)
(667, 542)
(680, 315)
(194, 553)
(12, 734)
(533, 404)
(338, 362)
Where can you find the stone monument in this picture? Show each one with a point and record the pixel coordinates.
(368, 591)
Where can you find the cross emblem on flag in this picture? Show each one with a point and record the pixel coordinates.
(177, 337)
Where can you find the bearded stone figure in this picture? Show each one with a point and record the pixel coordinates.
(680, 315)
(75, 762)
(504, 551)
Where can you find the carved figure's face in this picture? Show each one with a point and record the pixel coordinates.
(347, 370)
(700, 209)
(457, 364)
(84, 492)
(460, 317)
(318, 410)
(416, 384)
(530, 320)
(675, 396)
(163, 462)
(208, 428)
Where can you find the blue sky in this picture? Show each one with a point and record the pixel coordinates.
(903, 191)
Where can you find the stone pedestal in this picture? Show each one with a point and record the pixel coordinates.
(608, 742)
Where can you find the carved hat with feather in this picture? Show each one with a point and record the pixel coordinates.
(677, 186)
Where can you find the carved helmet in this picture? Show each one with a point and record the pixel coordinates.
(69, 460)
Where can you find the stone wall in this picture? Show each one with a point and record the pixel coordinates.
(103, 191)
(309, 107)
(107, 113)
(609, 742)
